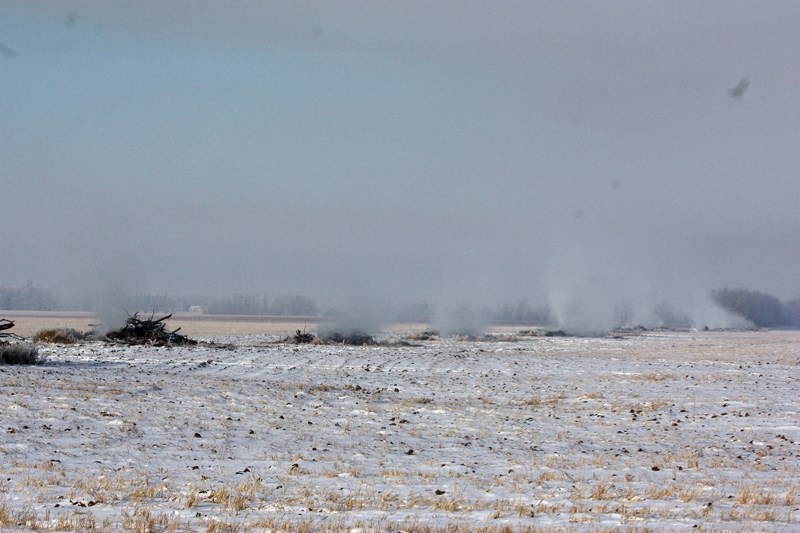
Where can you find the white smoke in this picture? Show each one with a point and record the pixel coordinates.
(459, 319)
(593, 290)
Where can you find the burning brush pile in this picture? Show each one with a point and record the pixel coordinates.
(149, 332)
(352, 338)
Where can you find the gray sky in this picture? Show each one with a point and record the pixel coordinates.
(406, 150)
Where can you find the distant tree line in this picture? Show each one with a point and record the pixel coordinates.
(231, 304)
(507, 312)
(31, 298)
(763, 310)
(28, 298)
(419, 311)
(520, 312)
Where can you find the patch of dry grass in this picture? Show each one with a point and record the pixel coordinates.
(654, 376)
(748, 494)
(539, 401)
(62, 335)
(20, 353)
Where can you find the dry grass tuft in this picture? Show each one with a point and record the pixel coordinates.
(20, 354)
(655, 377)
(232, 498)
(547, 475)
(600, 491)
(538, 401)
(790, 497)
(60, 336)
(750, 495)
(143, 521)
(223, 527)
(17, 519)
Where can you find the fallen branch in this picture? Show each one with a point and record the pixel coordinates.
(8, 324)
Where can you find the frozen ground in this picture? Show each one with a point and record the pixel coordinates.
(666, 431)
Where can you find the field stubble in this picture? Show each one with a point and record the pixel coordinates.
(658, 431)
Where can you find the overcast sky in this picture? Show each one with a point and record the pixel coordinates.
(401, 149)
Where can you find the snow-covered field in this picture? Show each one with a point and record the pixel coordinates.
(664, 430)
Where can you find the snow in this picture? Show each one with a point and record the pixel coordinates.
(663, 430)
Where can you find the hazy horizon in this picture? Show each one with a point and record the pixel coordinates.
(581, 154)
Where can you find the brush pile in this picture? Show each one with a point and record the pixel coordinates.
(148, 331)
(354, 338)
(301, 337)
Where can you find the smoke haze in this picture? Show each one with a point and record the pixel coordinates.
(586, 155)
